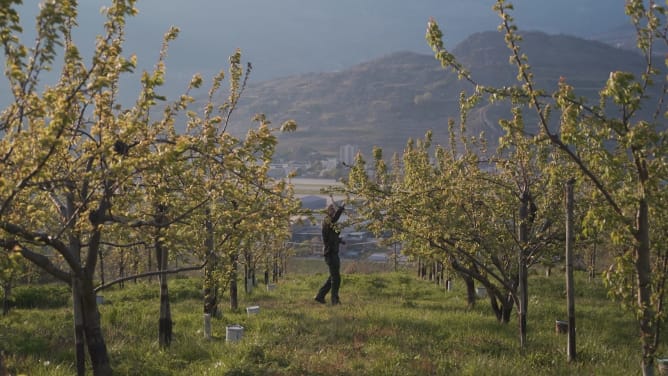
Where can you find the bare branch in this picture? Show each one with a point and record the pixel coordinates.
(150, 274)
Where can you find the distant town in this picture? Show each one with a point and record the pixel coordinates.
(330, 168)
(309, 180)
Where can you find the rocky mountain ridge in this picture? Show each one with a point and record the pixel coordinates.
(386, 101)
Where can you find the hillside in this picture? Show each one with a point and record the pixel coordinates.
(385, 101)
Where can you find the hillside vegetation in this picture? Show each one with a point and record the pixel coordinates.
(390, 323)
(386, 101)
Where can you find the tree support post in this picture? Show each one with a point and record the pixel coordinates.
(523, 237)
(570, 289)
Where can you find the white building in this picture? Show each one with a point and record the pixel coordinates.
(329, 164)
(347, 153)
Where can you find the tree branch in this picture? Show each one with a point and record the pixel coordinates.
(149, 274)
(38, 259)
(45, 239)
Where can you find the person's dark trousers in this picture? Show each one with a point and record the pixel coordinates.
(334, 281)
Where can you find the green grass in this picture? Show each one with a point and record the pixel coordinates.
(390, 323)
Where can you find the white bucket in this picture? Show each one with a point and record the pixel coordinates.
(234, 333)
(561, 327)
(207, 326)
(253, 310)
(663, 366)
(481, 292)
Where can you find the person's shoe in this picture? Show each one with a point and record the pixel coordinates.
(320, 300)
(336, 301)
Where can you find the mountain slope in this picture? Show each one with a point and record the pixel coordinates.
(385, 101)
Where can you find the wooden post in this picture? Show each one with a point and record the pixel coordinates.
(592, 260)
(210, 279)
(234, 292)
(570, 296)
(165, 323)
(523, 237)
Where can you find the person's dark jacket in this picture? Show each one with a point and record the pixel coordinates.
(330, 234)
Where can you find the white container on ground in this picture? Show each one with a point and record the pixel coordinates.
(481, 292)
(207, 326)
(253, 310)
(561, 327)
(663, 366)
(234, 333)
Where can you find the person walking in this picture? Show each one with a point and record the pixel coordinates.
(331, 238)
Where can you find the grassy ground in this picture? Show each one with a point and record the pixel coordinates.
(390, 323)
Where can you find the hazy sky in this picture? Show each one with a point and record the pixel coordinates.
(286, 37)
(283, 37)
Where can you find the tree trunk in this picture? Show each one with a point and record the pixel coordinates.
(249, 272)
(165, 323)
(121, 268)
(507, 309)
(135, 264)
(441, 273)
(276, 272)
(502, 304)
(284, 264)
(7, 294)
(470, 290)
(80, 356)
(234, 298)
(211, 285)
(210, 280)
(419, 263)
(247, 287)
(101, 258)
(592, 263)
(97, 348)
(570, 289)
(87, 329)
(210, 291)
(494, 302)
(591, 267)
(3, 369)
(149, 264)
(648, 327)
(523, 272)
